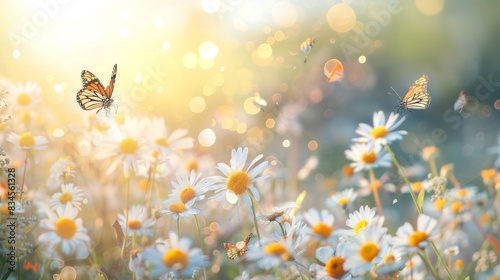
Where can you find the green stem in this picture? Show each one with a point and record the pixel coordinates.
(396, 162)
(375, 192)
(202, 245)
(427, 262)
(441, 260)
(127, 202)
(255, 220)
(432, 163)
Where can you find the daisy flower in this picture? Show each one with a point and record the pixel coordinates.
(365, 250)
(277, 251)
(320, 224)
(25, 96)
(188, 189)
(177, 208)
(70, 194)
(173, 255)
(279, 214)
(341, 200)
(381, 132)
(167, 143)
(61, 171)
(138, 222)
(27, 141)
(367, 156)
(466, 194)
(123, 144)
(333, 268)
(359, 220)
(393, 260)
(238, 182)
(66, 234)
(409, 239)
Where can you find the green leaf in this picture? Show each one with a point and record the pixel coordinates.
(420, 199)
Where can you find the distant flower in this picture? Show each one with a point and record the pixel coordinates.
(138, 222)
(238, 183)
(178, 209)
(188, 189)
(359, 220)
(409, 239)
(60, 172)
(452, 251)
(430, 153)
(366, 187)
(320, 224)
(367, 156)
(25, 96)
(364, 250)
(393, 260)
(279, 214)
(66, 234)
(333, 268)
(465, 194)
(123, 144)
(173, 255)
(341, 200)
(167, 143)
(27, 141)
(382, 132)
(69, 194)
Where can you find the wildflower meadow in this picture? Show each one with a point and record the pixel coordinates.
(225, 139)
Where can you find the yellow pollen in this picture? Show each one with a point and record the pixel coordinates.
(128, 146)
(322, 229)
(143, 184)
(390, 258)
(275, 248)
(360, 225)
(368, 251)
(134, 224)
(65, 228)
(462, 193)
(155, 153)
(334, 267)
(417, 237)
(348, 171)
(456, 207)
(238, 182)
(177, 207)
(26, 140)
(162, 142)
(439, 204)
(375, 185)
(176, 256)
(25, 116)
(4, 209)
(488, 173)
(416, 187)
(187, 194)
(343, 201)
(369, 157)
(429, 152)
(65, 197)
(24, 99)
(379, 132)
(191, 165)
(459, 263)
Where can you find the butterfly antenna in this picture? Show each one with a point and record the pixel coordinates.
(395, 93)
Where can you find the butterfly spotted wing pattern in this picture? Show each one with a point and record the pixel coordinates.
(234, 251)
(416, 97)
(93, 95)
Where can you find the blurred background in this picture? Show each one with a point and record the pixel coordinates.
(233, 73)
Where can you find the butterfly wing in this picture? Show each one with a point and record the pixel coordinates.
(111, 86)
(461, 101)
(90, 99)
(93, 95)
(416, 97)
(232, 251)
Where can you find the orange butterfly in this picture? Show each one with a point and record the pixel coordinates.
(93, 95)
(235, 251)
(416, 97)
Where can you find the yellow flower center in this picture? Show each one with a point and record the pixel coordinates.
(390, 258)
(369, 157)
(429, 152)
(360, 225)
(462, 193)
(25, 116)
(459, 263)
(143, 184)
(488, 173)
(343, 201)
(187, 194)
(134, 224)
(65, 197)
(24, 99)
(128, 146)
(334, 267)
(348, 171)
(375, 185)
(456, 207)
(26, 140)
(238, 182)
(439, 204)
(379, 132)
(162, 142)
(417, 237)
(191, 165)
(4, 209)
(275, 248)
(176, 256)
(322, 229)
(2, 126)
(177, 207)
(65, 228)
(416, 187)
(368, 251)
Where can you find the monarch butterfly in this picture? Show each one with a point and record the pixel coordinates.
(235, 251)
(306, 47)
(416, 97)
(461, 101)
(93, 95)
